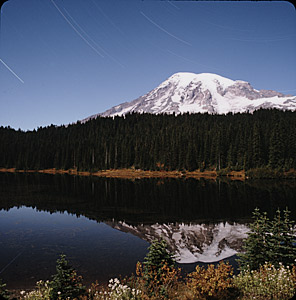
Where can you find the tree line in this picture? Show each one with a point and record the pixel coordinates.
(265, 138)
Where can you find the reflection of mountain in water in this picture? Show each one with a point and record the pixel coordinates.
(192, 242)
(139, 207)
(146, 208)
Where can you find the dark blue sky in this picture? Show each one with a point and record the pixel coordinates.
(64, 60)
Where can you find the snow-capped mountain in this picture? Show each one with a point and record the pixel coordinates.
(205, 92)
(194, 242)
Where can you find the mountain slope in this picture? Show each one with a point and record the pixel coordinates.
(205, 92)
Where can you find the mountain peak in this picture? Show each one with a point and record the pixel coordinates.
(187, 77)
(200, 93)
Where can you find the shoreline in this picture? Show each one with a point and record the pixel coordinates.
(135, 174)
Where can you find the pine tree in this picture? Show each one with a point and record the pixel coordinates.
(157, 257)
(282, 241)
(256, 147)
(276, 158)
(266, 138)
(256, 244)
(66, 284)
(270, 241)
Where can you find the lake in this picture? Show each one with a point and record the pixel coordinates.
(105, 225)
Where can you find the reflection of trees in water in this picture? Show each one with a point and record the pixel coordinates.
(147, 200)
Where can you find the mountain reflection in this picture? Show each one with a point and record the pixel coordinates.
(201, 220)
(192, 243)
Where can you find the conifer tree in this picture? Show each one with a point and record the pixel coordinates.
(256, 245)
(256, 147)
(266, 138)
(276, 157)
(272, 241)
(157, 257)
(66, 284)
(282, 240)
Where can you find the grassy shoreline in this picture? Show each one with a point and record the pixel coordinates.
(135, 174)
(259, 173)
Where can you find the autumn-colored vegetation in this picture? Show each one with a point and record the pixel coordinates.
(209, 283)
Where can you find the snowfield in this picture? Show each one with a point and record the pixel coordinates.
(200, 93)
(192, 243)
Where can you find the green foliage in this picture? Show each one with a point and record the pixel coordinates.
(158, 275)
(256, 248)
(65, 283)
(263, 139)
(268, 282)
(282, 240)
(276, 146)
(269, 241)
(156, 258)
(211, 283)
(4, 294)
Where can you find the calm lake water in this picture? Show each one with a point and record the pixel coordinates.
(104, 226)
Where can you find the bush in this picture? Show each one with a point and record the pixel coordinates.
(159, 285)
(266, 283)
(211, 283)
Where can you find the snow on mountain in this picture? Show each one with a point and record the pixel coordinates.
(194, 242)
(205, 92)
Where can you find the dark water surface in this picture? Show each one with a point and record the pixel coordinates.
(104, 225)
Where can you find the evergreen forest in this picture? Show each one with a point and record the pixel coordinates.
(242, 141)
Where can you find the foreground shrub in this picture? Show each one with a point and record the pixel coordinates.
(160, 284)
(211, 283)
(65, 283)
(157, 277)
(154, 261)
(266, 283)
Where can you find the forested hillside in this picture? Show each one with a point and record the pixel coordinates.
(147, 141)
